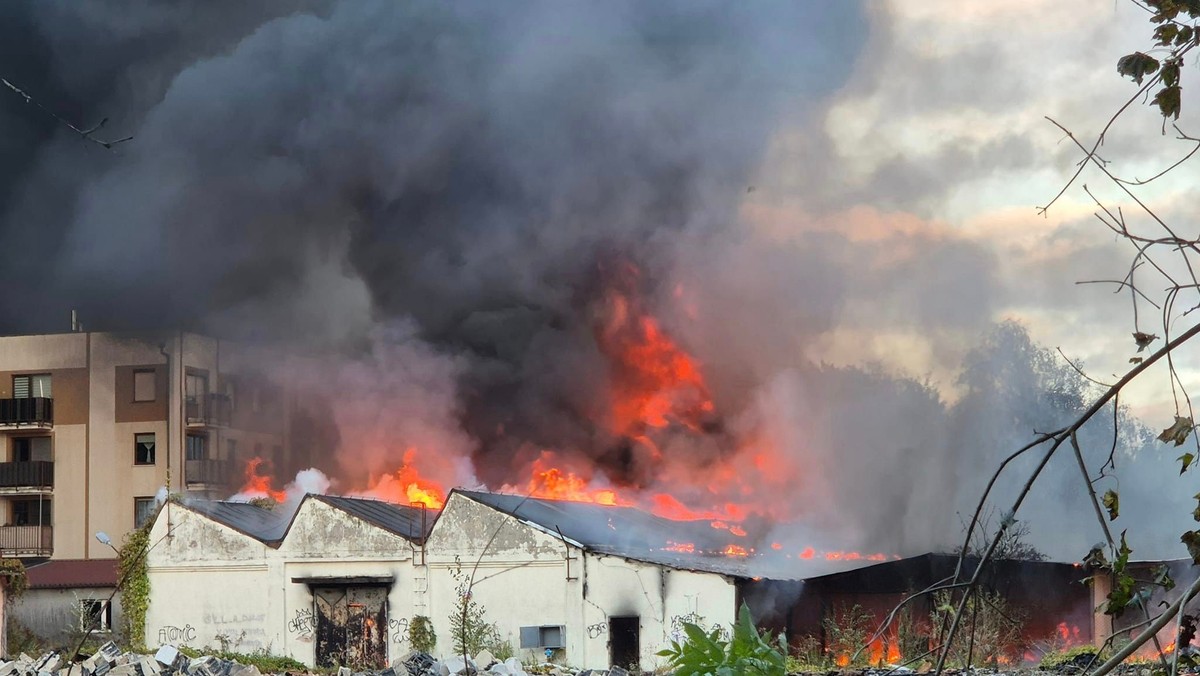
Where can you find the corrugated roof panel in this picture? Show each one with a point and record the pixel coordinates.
(634, 534)
(412, 523)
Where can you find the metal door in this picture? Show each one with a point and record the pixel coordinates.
(351, 627)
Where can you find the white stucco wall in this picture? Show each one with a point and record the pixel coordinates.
(208, 580)
(522, 580)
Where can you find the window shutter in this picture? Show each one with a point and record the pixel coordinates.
(531, 637)
(20, 387)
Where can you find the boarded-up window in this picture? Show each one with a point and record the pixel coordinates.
(546, 636)
(143, 449)
(144, 385)
(25, 387)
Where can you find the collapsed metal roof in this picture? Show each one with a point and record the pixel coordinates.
(640, 536)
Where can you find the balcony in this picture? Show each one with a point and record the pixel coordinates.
(28, 412)
(26, 540)
(207, 472)
(210, 410)
(34, 476)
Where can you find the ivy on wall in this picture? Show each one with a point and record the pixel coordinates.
(16, 581)
(135, 584)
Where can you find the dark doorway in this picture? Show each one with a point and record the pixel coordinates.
(624, 649)
(351, 626)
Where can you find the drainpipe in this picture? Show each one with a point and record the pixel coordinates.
(162, 349)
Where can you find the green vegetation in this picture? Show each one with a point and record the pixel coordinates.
(262, 658)
(746, 653)
(469, 628)
(847, 630)
(991, 628)
(135, 585)
(1057, 658)
(421, 635)
(13, 572)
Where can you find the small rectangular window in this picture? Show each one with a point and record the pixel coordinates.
(143, 449)
(143, 511)
(25, 387)
(95, 615)
(144, 383)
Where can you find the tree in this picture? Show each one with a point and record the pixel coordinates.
(1160, 259)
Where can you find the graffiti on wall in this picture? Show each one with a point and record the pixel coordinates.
(398, 629)
(303, 624)
(597, 630)
(678, 635)
(173, 634)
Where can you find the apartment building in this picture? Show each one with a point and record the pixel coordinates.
(93, 425)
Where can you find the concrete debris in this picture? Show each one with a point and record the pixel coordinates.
(110, 660)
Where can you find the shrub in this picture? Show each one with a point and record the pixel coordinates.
(421, 634)
(847, 630)
(745, 653)
(990, 632)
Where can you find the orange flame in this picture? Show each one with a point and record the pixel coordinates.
(260, 484)
(655, 383)
(407, 486)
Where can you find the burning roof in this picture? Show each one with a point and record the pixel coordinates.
(635, 534)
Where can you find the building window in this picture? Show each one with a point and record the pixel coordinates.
(144, 383)
(143, 511)
(231, 449)
(31, 512)
(143, 449)
(25, 387)
(197, 447)
(26, 449)
(95, 615)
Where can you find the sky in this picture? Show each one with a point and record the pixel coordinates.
(832, 206)
(939, 143)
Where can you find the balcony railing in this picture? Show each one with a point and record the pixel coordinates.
(27, 412)
(26, 540)
(210, 472)
(211, 410)
(32, 474)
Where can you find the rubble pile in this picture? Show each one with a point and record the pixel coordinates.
(110, 660)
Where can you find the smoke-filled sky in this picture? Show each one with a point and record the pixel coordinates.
(831, 205)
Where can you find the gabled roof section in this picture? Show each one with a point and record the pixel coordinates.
(265, 525)
(68, 573)
(411, 523)
(637, 535)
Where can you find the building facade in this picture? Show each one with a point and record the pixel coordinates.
(94, 425)
(340, 581)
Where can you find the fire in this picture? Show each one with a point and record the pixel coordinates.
(735, 550)
(683, 547)
(654, 382)
(552, 483)
(407, 486)
(259, 485)
(1069, 635)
